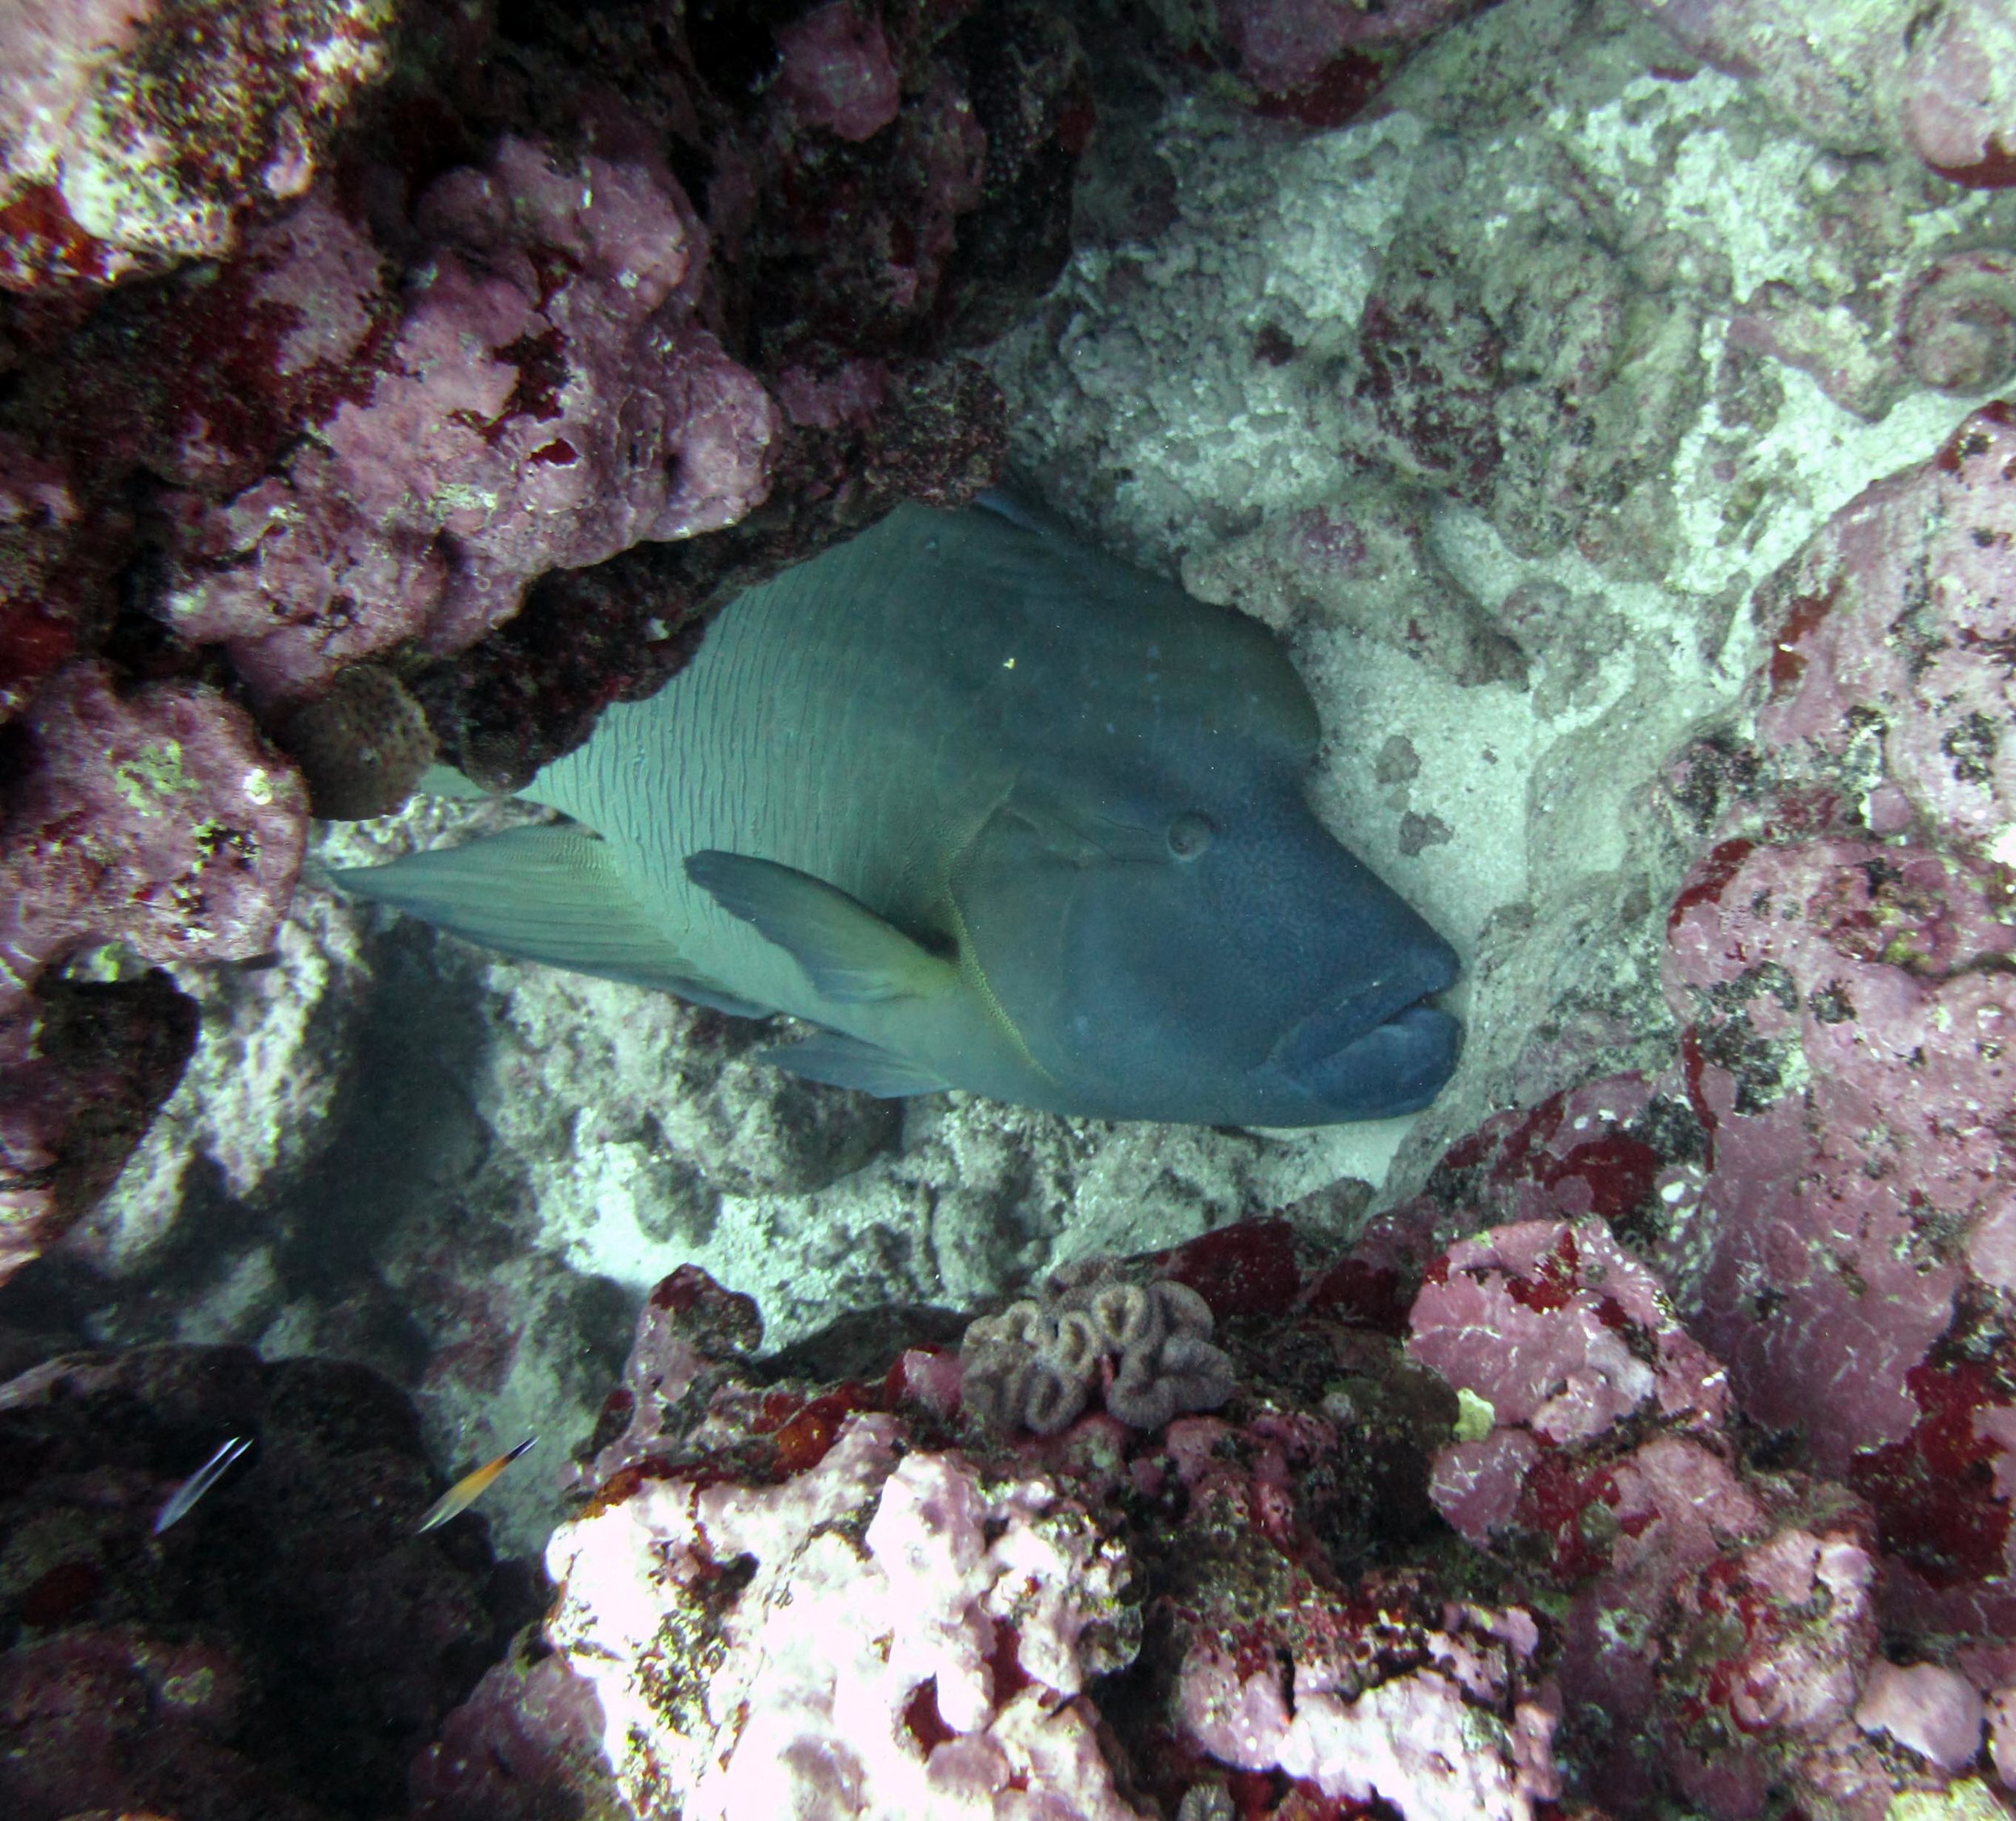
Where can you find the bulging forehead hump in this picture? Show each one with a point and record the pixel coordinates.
(1101, 652)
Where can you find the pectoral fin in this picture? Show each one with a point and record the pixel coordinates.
(547, 894)
(851, 956)
(847, 1062)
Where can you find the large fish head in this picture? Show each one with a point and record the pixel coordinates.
(1200, 948)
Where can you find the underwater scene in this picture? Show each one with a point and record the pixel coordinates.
(1007, 910)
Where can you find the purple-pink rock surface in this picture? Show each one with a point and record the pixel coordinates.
(136, 133)
(548, 399)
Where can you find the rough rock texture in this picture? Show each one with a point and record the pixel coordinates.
(87, 1065)
(280, 1652)
(1315, 62)
(828, 1616)
(135, 134)
(1093, 1619)
(526, 1745)
(1256, 1612)
(1861, 78)
(159, 823)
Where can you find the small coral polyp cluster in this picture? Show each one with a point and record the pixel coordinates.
(1147, 1347)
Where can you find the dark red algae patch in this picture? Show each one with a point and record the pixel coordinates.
(1340, 94)
(716, 1320)
(1247, 1269)
(61, 1594)
(1618, 1169)
(1555, 1281)
(1370, 1296)
(926, 1725)
(1996, 171)
(1971, 439)
(1788, 662)
(804, 1430)
(1936, 1505)
(1559, 1501)
(1710, 879)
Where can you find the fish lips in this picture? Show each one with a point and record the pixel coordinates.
(1378, 1050)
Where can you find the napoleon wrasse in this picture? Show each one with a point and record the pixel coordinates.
(995, 812)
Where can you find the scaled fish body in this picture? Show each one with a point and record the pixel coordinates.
(466, 1491)
(999, 813)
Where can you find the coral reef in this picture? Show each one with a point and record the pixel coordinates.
(1315, 62)
(527, 1744)
(1650, 1448)
(967, 1614)
(1092, 1617)
(547, 400)
(282, 1651)
(160, 822)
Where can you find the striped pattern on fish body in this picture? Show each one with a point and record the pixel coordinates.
(999, 813)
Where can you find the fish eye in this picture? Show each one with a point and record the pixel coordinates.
(1189, 835)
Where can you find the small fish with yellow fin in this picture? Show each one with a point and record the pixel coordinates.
(466, 1491)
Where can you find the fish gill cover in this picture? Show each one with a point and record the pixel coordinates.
(1600, 401)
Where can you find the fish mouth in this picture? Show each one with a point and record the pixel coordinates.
(1381, 1050)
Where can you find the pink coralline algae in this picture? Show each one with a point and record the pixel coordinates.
(526, 1745)
(1863, 971)
(548, 400)
(1957, 325)
(52, 571)
(837, 72)
(1841, 957)
(158, 820)
(1938, 83)
(883, 1634)
(1559, 1335)
(135, 134)
(1891, 635)
(1604, 1441)
(859, 1599)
